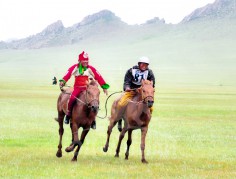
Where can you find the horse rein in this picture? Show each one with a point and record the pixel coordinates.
(137, 102)
(62, 90)
(143, 99)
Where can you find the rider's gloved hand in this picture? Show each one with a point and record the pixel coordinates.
(105, 91)
(61, 84)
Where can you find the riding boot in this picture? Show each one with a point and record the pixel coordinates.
(67, 119)
(69, 109)
(120, 125)
(93, 125)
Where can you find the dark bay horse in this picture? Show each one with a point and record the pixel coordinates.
(84, 113)
(136, 115)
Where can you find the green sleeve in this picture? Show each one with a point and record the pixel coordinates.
(105, 86)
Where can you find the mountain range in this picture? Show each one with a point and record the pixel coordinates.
(205, 22)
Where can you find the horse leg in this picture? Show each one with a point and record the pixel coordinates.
(80, 143)
(142, 146)
(71, 146)
(61, 131)
(109, 130)
(71, 134)
(122, 134)
(129, 142)
(75, 138)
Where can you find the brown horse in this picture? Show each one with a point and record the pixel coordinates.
(84, 113)
(136, 115)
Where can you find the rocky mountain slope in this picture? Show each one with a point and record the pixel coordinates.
(105, 25)
(220, 9)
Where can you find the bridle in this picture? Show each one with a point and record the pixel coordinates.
(83, 102)
(88, 104)
(143, 100)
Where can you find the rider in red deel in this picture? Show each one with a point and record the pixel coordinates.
(82, 72)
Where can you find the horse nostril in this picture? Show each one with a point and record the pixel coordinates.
(150, 102)
(95, 108)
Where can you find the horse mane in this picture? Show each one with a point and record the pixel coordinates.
(93, 82)
(146, 82)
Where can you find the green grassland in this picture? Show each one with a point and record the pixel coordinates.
(191, 134)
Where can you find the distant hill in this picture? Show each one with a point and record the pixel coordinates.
(220, 9)
(105, 25)
(57, 35)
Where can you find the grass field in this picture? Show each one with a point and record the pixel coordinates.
(191, 134)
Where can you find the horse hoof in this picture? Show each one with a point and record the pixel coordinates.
(74, 160)
(144, 161)
(70, 148)
(117, 155)
(59, 154)
(105, 149)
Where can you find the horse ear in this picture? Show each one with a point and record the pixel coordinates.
(151, 83)
(138, 90)
(90, 80)
(96, 83)
(87, 82)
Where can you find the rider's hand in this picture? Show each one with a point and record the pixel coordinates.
(105, 91)
(61, 84)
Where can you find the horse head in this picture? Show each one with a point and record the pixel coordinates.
(147, 92)
(92, 95)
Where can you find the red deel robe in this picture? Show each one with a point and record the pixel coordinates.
(80, 80)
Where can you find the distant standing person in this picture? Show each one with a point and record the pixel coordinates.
(132, 81)
(54, 81)
(82, 72)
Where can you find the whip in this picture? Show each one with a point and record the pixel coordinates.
(106, 104)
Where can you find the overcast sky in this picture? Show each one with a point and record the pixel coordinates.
(22, 18)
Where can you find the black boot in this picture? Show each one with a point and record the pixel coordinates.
(120, 125)
(93, 125)
(67, 119)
